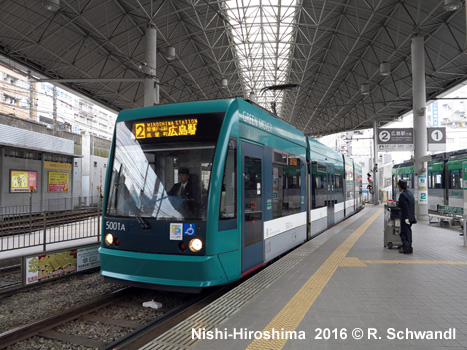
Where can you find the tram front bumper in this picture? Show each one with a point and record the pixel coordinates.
(163, 269)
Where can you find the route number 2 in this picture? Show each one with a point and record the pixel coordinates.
(384, 136)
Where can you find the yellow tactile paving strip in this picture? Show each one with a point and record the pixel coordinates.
(351, 261)
(292, 314)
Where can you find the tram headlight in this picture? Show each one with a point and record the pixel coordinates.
(195, 245)
(109, 239)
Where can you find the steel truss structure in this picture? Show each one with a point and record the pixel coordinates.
(331, 48)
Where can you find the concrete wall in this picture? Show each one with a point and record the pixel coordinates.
(86, 174)
(20, 199)
(94, 164)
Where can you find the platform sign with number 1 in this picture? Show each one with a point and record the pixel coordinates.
(436, 139)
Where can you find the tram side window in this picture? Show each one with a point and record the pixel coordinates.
(228, 202)
(339, 187)
(286, 187)
(454, 179)
(319, 186)
(435, 180)
(409, 179)
(350, 184)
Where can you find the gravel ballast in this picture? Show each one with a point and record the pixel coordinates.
(51, 298)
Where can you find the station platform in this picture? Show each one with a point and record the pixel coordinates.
(343, 290)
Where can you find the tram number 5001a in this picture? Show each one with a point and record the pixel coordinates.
(115, 226)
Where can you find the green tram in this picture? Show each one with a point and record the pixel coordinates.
(446, 178)
(203, 193)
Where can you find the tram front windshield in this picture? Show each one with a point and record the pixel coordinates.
(162, 177)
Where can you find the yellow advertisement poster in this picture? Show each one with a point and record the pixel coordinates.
(58, 182)
(47, 266)
(22, 181)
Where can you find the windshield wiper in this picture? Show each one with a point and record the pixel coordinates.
(142, 221)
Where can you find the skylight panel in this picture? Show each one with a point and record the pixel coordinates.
(262, 31)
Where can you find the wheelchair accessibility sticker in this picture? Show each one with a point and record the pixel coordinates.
(189, 229)
(176, 232)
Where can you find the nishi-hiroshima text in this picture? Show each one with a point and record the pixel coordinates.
(323, 334)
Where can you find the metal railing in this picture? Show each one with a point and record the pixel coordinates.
(20, 230)
(33, 206)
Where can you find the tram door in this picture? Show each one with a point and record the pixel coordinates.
(252, 204)
(330, 200)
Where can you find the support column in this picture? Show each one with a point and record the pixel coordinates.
(375, 164)
(150, 68)
(54, 111)
(157, 101)
(419, 126)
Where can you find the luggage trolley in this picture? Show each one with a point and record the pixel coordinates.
(392, 226)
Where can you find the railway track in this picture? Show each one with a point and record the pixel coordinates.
(133, 333)
(26, 224)
(10, 276)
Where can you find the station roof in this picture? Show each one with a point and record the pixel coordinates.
(331, 48)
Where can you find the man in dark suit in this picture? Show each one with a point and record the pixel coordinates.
(407, 206)
(184, 187)
(187, 191)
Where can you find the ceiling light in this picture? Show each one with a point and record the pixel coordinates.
(252, 96)
(51, 5)
(170, 53)
(385, 69)
(365, 89)
(224, 83)
(452, 5)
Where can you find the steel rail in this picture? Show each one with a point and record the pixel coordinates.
(27, 331)
(160, 325)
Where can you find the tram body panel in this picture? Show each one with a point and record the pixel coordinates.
(349, 186)
(358, 186)
(326, 194)
(436, 184)
(455, 183)
(252, 203)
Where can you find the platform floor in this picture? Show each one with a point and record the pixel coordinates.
(347, 288)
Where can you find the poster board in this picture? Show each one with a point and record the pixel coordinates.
(22, 180)
(58, 182)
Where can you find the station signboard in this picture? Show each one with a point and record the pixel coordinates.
(391, 140)
(436, 139)
(435, 114)
(422, 189)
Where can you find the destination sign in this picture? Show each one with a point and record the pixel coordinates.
(293, 161)
(170, 128)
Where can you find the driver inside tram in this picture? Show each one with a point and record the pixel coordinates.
(186, 190)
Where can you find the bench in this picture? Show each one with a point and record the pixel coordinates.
(446, 213)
